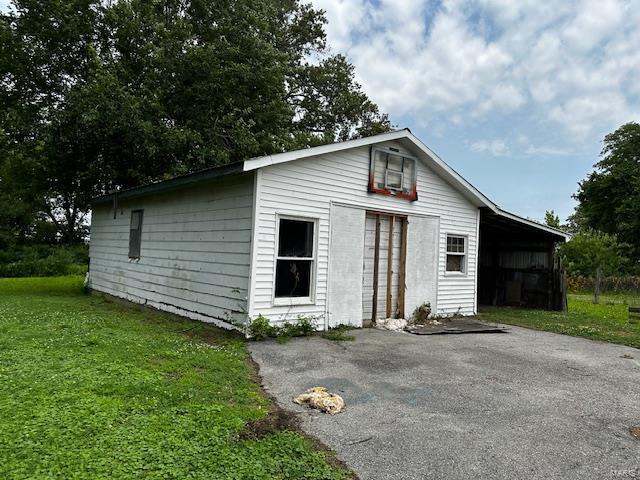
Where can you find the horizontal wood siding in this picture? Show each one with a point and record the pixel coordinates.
(195, 250)
(308, 186)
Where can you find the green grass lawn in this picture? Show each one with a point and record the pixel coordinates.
(93, 389)
(607, 321)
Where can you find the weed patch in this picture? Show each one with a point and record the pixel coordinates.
(338, 334)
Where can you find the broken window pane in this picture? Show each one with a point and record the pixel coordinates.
(394, 162)
(295, 238)
(293, 278)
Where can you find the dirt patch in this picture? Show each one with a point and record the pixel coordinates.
(278, 419)
(635, 432)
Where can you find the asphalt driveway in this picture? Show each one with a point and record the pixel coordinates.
(524, 404)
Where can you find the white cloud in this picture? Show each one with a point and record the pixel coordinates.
(571, 64)
(519, 146)
(496, 147)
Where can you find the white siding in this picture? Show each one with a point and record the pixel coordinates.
(195, 250)
(307, 188)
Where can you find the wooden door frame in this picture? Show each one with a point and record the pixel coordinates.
(404, 221)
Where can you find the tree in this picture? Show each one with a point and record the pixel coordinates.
(610, 196)
(551, 219)
(592, 254)
(101, 95)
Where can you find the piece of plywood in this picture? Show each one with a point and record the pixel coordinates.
(456, 326)
(376, 270)
(345, 266)
(403, 268)
(421, 277)
(389, 302)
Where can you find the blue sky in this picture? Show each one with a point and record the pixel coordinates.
(515, 95)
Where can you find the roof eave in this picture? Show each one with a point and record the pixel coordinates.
(531, 223)
(260, 162)
(173, 183)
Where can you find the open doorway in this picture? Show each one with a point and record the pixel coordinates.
(383, 281)
(519, 265)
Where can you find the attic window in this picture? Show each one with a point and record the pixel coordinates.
(295, 261)
(392, 173)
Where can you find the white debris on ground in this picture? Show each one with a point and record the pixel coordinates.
(321, 399)
(393, 324)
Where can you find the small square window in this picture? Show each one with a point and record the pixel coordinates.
(456, 254)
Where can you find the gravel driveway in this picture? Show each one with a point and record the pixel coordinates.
(523, 404)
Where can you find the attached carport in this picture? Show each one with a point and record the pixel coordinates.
(518, 262)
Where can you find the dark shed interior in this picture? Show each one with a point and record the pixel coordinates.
(518, 264)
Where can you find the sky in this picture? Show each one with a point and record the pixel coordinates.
(515, 95)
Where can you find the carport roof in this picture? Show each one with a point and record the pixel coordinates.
(405, 136)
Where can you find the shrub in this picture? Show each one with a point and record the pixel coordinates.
(421, 314)
(302, 327)
(43, 260)
(260, 328)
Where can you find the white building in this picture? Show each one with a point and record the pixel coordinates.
(344, 233)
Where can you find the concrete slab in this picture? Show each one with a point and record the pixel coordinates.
(526, 404)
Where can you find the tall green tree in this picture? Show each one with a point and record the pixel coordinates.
(103, 95)
(609, 198)
(592, 254)
(551, 219)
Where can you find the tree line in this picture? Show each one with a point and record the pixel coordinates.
(99, 95)
(605, 226)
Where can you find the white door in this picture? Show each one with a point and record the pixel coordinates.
(422, 259)
(345, 266)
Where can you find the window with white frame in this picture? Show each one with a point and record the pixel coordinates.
(295, 261)
(456, 253)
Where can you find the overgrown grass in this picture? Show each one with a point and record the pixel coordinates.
(92, 389)
(607, 321)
